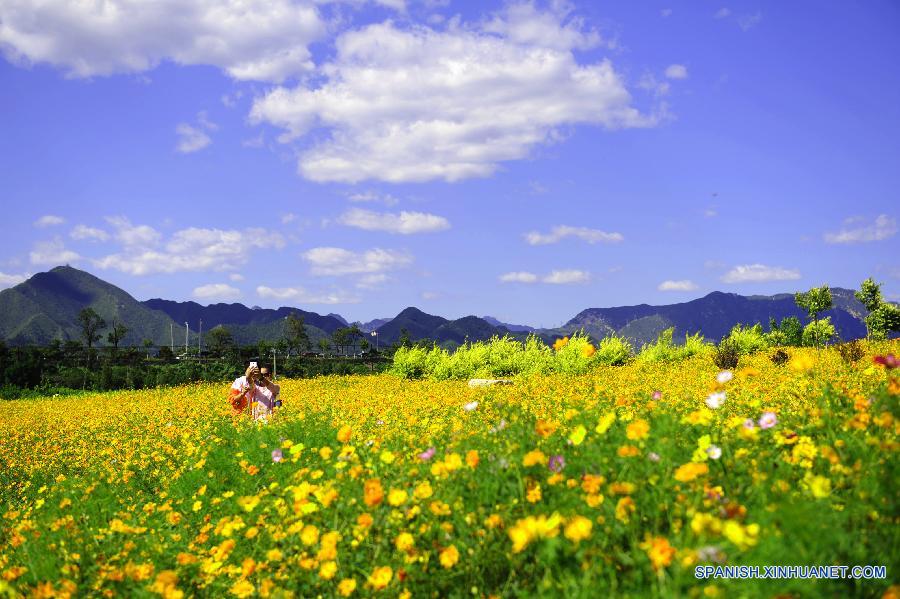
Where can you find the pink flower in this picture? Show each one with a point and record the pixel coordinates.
(768, 420)
(657, 395)
(889, 361)
(715, 400)
(749, 424)
(556, 463)
(427, 454)
(277, 456)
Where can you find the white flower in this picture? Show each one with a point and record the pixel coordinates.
(714, 452)
(653, 456)
(724, 376)
(470, 406)
(715, 400)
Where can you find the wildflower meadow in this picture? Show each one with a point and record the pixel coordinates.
(613, 480)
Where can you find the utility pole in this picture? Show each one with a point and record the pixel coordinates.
(274, 364)
(199, 338)
(172, 335)
(185, 338)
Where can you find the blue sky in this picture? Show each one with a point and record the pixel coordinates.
(523, 160)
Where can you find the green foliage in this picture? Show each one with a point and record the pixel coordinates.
(116, 334)
(295, 335)
(664, 350)
(870, 294)
(814, 301)
(90, 323)
(748, 340)
(818, 332)
(788, 333)
(219, 340)
(727, 354)
(614, 351)
(508, 357)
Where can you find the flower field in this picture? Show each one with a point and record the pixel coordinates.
(614, 482)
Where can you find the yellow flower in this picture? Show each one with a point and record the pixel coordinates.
(637, 430)
(423, 490)
(274, 555)
(628, 451)
(588, 350)
(605, 422)
(310, 535)
(404, 541)
(742, 536)
(381, 577)
(690, 471)
(242, 588)
(449, 556)
(387, 457)
(545, 428)
(373, 493)
(346, 587)
(659, 551)
(248, 502)
(577, 436)
(327, 570)
(344, 434)
(472, 458)
(624, 509)
(560, 343)
(533, 494)
(397, 497)
(533, 457)
(819, 486)
(578, 529)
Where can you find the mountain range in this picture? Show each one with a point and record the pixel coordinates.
(46, 307)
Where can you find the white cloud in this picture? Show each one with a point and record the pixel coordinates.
(338, 261)
(722, 13)
(676, 71)
(10, 280)
(187, 250)
(372, 281)
(665, 13)
(560, 232)
(430, 295)
(52, 253)
(301, 295)
(49, 220)
(567, 277)
(216, 291)
(263, 40)
(882, 228)
(372, 196)
(519, 277)
(420, 104)
(194, 138)
(134, 235)
(711, 212)
(83, 232)
(288, 218)
(405, 223)
(756, 273)
(236, 277)
(748, 22)
(682, 285)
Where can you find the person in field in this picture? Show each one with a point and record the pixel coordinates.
(255, 390)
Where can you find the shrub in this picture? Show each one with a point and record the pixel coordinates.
(576, 355)
(818, 332)
(789, 332)
(727, 354)
(613, 351)
(748, 340)
(663, 350)
(409, 362)
(851, 351)
(779, 357)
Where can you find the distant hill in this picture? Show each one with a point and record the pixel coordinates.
(368, 327)
(46, 307)
(238, 314)
(712, 315)
(515, 328)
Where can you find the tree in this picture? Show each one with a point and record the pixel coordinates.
(166, 354)
(883, 317)
(818, 332)
(148, 345)
(815, 301)
(219, 340)
(341, 337)
(789, 332)
(116, 334)
(90, 324)
(324, 344)
(295, 333)
(404, 338)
